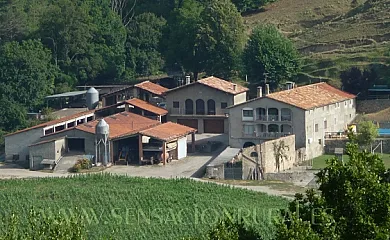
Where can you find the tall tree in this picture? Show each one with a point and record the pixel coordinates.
(12, 116)
(269, 54)
(26, 72)
(143, 42)
(357, 81)
(210, 37)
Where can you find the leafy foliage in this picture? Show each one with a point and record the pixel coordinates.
(27, 74)
(269, 53)
(247, 5)
(367, 132)
(353, 204)
(357, 81)
(12, 115)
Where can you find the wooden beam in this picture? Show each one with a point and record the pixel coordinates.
(193, 142)
(140, 149)
(164, 148)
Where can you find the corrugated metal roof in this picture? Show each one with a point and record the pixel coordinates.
(67, 94)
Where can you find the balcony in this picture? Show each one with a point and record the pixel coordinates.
(286, 118)
(274, 118)
(182, 111)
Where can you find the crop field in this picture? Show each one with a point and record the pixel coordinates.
(120, 207)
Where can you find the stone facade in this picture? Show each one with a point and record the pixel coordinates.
(273, 119)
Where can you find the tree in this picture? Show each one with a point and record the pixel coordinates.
(27, 74)
(12, 115)
(210, 37)
(247, 5)
(353, 202)
(367, 133)
(268, 53)
(143, 42)
(357, 81)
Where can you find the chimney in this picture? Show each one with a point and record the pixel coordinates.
(234, 87)
(188, 79)
(266, 89)
(259, 92)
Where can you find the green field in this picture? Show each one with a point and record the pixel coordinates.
(138, 208)
(320, 162)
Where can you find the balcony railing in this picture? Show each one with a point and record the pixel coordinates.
(266, 135)
(182, 111)
(274, 118)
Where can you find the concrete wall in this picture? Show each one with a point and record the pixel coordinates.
(89, 138)
(59, 148)
(337, 116)
(236, 137)
(240, 98)
(40, 152)
(18, 143)
(198, 91)
(182, 148)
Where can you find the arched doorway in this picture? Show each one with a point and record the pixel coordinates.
(248, 144)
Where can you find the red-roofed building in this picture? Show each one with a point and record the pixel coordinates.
(202, 104)
(310, 112)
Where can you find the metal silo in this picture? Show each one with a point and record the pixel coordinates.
(92, 98)
(102, 146)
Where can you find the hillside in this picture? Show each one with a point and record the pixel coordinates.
(333, 35)
(119, 207)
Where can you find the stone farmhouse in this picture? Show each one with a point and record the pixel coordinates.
(202, 104)
(309, 112)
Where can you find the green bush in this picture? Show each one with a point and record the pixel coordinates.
(81, 164)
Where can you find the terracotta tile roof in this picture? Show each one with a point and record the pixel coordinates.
(223, 85)
(217, 83)
(64, 119)
(311, 96)
(147, 106)
(168, 131)
(121, 124)
(152, 87)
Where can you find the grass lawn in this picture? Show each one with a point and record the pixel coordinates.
(320, 162)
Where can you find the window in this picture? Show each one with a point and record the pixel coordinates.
(176, 105)
(210, 107)
(325, 124)
(200, 109)
(316, 128)
(249, 129)
(223, 105)
(350, 115)
(189, 106)
(345, 103)
(335, 121)
(247, 113)
(327, 108)
(337, 105)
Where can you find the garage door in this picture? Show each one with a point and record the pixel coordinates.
(188, 122)
(214, 126)
(76, 144)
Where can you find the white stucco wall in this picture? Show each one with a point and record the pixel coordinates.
(18, 143)
(182, 148)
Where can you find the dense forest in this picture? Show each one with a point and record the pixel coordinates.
(49, 46)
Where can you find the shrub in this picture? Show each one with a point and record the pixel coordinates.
(81, 164)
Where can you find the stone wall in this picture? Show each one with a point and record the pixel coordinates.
(372, 106)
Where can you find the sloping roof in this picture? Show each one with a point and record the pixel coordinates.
(168, 131)
(67, 94)
(308, 96)
(117, 91)
(121, 124)
(46, 141)
(147, 106)
(53, 122)
(311, 96)
(152, 87)
(217, 83)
